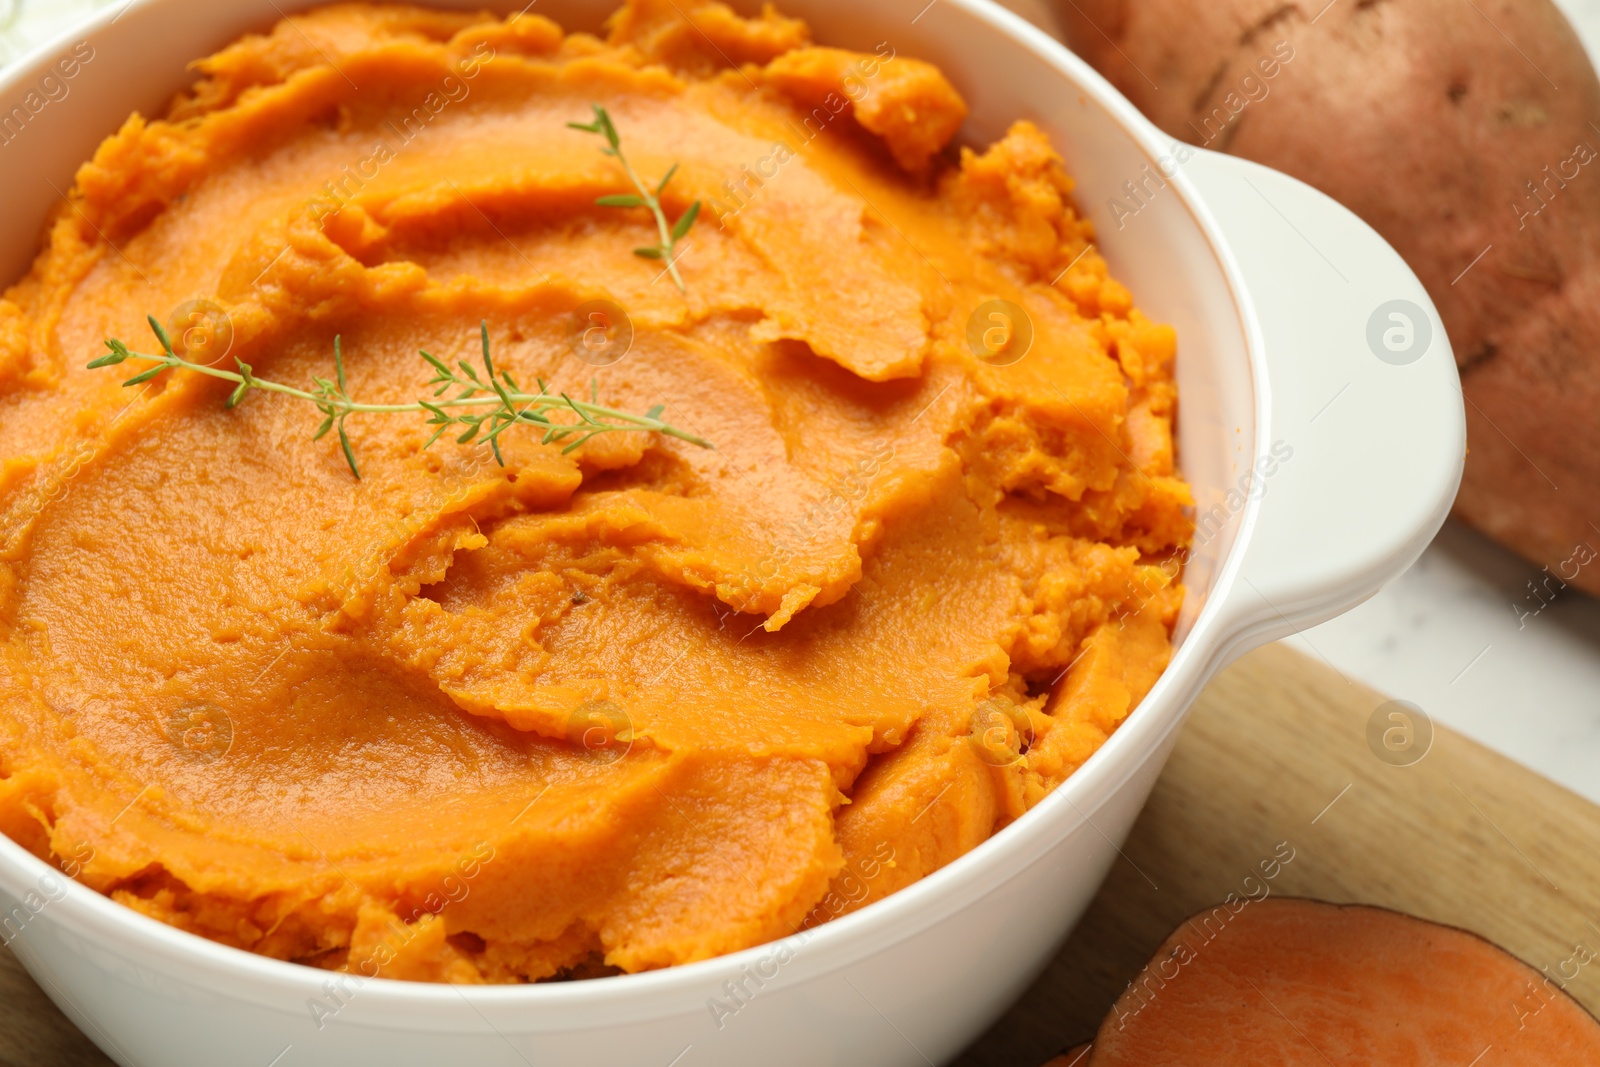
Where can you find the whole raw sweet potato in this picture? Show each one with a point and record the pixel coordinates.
(1465, 132)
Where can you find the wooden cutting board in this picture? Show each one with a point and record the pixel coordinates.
(1276, 750)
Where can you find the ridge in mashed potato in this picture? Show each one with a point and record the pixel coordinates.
(621, 708)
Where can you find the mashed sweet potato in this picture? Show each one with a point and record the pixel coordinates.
(620, 708)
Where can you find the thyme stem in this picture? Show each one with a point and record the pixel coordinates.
(507, 403)
(671, 233)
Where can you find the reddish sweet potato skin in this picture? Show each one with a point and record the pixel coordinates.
(1429, 119)
(1285, 982)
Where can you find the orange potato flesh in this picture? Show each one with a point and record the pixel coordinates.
(628, 707)
(1296, 983)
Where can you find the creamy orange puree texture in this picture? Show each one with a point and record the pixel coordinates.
(627, 707)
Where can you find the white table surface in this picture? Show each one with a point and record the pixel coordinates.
(1447, 636)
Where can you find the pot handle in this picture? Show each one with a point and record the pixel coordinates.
(1363, 430)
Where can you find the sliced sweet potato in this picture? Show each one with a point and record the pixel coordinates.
(1077, 1056)
(1298, 983)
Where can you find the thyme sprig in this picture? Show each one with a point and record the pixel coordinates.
(671, 234)
(507, 402)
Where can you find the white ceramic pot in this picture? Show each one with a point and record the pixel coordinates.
(1283, 305)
